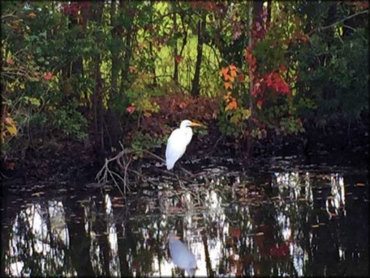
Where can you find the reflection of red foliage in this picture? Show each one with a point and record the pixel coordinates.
(235, 232)
(279, 251)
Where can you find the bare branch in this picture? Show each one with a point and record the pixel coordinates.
(342, 20)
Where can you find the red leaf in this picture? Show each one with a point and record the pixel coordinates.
(130, 109)
(48, 76)
(10, 61)
(259, 103)
(178, 58)
(241, 77)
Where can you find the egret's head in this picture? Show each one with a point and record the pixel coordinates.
(187, 123)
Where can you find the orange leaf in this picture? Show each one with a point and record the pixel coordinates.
(232, 67)
(232, 105)
(32, 15)
(228, 85)
(224, 71)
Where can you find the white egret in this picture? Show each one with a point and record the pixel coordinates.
(178, 141)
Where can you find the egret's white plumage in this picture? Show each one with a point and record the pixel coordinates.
(178, 141)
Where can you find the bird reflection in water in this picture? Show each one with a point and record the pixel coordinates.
(181, 256)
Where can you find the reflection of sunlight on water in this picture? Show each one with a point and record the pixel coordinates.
(272, 236)
(57, 222)
(114, 263)
(298, 186)
(31, 233)
(335, 203)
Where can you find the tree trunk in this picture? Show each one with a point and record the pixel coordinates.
(176, 64)
(128, 51)
(114, 128)
(98, 95)
(201, 27)
(269, 3)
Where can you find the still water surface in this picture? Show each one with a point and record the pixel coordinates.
(282, 220)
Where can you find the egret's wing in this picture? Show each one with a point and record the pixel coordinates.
(176, 147)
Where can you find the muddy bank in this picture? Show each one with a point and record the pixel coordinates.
(71, 160)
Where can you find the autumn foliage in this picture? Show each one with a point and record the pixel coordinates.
(115, 71)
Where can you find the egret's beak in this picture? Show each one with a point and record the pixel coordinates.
(195, 124)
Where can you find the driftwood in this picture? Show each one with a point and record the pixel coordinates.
(120, 177)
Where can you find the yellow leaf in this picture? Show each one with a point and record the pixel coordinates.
(234, 119)
(246, 114)
(12, 129)
(228, 96)
(147, 114)
(21, 86)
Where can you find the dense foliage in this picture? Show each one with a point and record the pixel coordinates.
(128, 71)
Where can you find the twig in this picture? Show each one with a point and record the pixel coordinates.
(154, 155)
(342, 20)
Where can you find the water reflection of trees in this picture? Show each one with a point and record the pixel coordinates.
(229, 235)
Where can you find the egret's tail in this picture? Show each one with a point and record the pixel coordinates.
(169, 165)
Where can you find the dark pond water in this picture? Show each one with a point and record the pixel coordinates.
(280, 219)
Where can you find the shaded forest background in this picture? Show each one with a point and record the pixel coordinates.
(112, 74)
